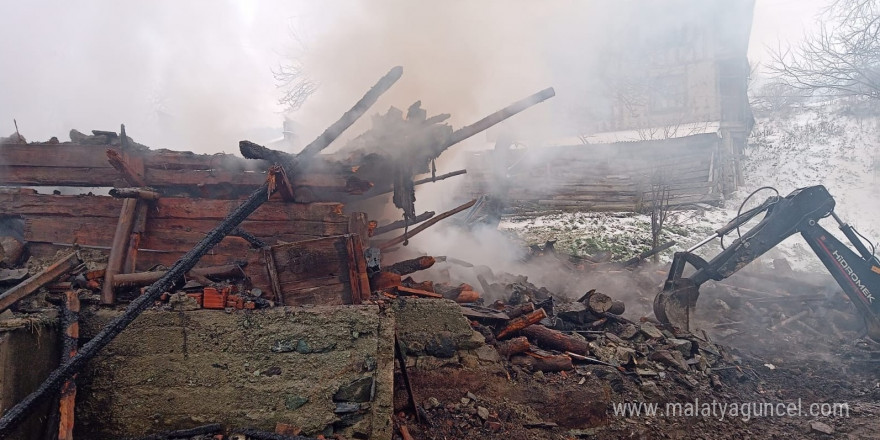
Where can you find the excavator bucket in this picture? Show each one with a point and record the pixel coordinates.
(673, 305)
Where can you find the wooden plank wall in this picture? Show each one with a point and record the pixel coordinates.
(329, 271)
(608, 177)
(172, 173)
(174, 225)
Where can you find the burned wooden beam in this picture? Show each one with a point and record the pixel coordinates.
(520, 310)
(513, 346)
(425, 180)
(134, 193)
(137, 232)
(402, 223)
(426, 225)
(67, 402)
(119, 249)
(451, 292)
(279, 178)
(596, 302)
(290, 162)
(553, 339)
(255, 242)
(617, 307)
(131, 168)
(499, 116)
(406, 267)
(46, 276)
(546, 364)
(467, 296)
(599, 302)
(408, 291)
(384, 280)
(521, 322)
(400, 357)
(440, 177)
(147, 278)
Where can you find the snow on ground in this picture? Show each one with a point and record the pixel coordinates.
(822, 143)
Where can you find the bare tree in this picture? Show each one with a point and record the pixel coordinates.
(660, 195)
(776, 97)
(292, 78)
(841, 58)
(295, 84)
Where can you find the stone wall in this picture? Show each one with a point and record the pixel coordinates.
(324, 369)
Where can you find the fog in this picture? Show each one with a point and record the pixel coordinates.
(198, 75)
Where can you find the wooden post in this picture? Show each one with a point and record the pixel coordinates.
(137, 231)
(68, 390)
(119, 249)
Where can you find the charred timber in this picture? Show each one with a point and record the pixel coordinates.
(513, 346)
(290, 162)
(146, 278)
(451, 292)
(467, 296)
(617, 307)
(384, 280)
(556, 340)
(408, 291)
(403, 238)
(407, 267)
(254, 241)
(402, 223)
(66, 403)
(517, 324)
(33, 283)
(134, 193)
(425, 180)
(119, 248)
(597, 302)
(499, 116)
(520, 310)
(547, 364)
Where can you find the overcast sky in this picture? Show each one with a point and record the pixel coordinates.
(198, 74)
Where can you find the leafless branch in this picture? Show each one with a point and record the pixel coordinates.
(842, 57)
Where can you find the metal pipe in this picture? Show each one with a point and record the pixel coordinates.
(700, 244)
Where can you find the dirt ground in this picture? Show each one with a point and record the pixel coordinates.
(769, 363)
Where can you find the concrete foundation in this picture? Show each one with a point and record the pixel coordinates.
(325, 369)
(27, 355)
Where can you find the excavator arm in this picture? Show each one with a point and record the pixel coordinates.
(799, 212)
